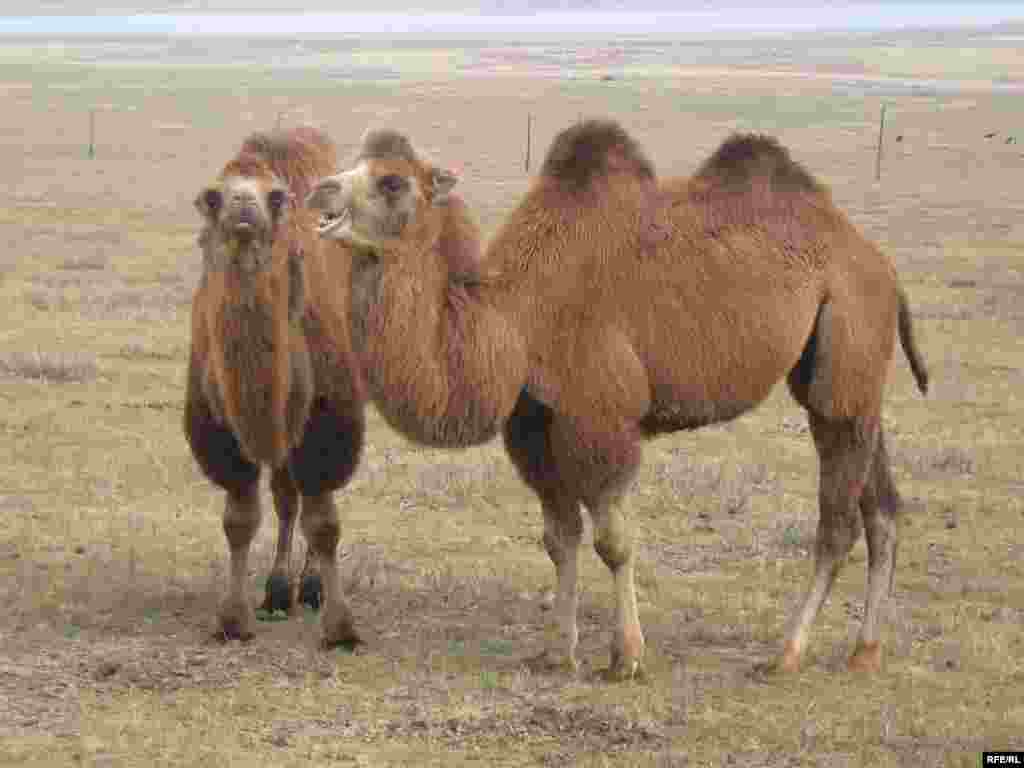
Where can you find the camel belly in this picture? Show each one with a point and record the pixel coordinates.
(719, 370)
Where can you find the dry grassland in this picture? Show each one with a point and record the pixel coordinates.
(111, 551)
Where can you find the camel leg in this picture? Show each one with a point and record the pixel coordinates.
(563, 529)
(322, 531)
(845, 451)
(527, 435)
(241, 521)
(878, 506)
(286, 503)
(613, 540)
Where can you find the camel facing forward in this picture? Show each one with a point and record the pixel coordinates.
(272, 378)
(611, 307)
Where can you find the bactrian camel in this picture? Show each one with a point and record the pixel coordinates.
(272, 378)
(611, 307)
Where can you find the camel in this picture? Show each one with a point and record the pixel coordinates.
(272, 377)
(611, 307)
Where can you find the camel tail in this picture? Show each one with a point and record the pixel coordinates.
(913, 354)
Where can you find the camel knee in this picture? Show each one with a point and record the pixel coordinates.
(241, 518)
(321, 527)
(613, 542)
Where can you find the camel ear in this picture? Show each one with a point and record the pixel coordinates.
(442, 181)
(209, 202)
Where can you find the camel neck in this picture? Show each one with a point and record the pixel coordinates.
(442, 362)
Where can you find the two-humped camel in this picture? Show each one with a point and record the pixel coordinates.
(272, 375)
(611, 307)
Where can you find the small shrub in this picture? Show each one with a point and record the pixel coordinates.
(58, 367)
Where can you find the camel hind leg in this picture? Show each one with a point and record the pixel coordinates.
(846, 428)
(280, 593)
(879, 506)
(845, 452)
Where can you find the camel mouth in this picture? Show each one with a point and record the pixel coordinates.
(244, 232)
(334, 223)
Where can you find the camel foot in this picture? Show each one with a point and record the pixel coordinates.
(338, 630)
(867, 657)
(311, 591)
(278, 595)
(624, 667)
(234, 621)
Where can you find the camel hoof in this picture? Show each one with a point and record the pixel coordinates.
(310, 591)
(234, 622)
(624, 667)
(279, 594)
(625, 671)
(339, 633)
(867, 658)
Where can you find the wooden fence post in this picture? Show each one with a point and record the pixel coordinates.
(878, 156)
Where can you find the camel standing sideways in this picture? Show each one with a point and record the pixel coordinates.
(272, 378)
(611, 307)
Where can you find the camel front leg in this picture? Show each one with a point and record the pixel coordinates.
(613, 540)
(322, 531)
(241, 521)
(563, 529)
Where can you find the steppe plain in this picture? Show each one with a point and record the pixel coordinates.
(111, 551)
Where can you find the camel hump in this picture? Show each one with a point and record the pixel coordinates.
(299, 156)
(593, 149)
(380, 143)
(746, 156)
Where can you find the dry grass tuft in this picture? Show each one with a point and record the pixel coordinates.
(56, 367)
(446, 482)
(97, 260)
(731, 484)
(949, 460)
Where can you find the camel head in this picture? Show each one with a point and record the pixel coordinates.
(243, 212)
(391, 191)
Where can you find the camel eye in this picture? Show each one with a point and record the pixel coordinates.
(276, 200)
(392, 185)
(213, 200)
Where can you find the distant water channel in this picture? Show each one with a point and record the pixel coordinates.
(832, 16)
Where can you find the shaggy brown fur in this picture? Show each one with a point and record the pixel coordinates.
(272, 377)
(616, 308)
(593, 149)
(383, 143)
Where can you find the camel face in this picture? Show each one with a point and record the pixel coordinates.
(383, 197)
(372, 201)
(242, 215)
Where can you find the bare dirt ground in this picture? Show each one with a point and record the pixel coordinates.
(112, 556)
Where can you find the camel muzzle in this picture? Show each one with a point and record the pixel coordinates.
(332, 198)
